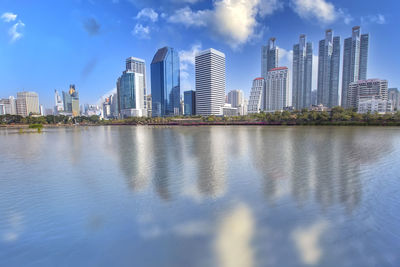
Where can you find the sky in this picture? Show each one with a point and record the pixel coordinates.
(47, 45)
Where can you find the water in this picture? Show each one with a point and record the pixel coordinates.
(200, 196)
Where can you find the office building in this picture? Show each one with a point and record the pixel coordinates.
(165, 83)
(210, 82)
(8, 106)
(269, 57)
(374, 105)
(131, 88)
(58, 103)
(277, 89)
(149, 105)
(190, 103)
(235, 98)
(366, 90)
(229, 111)
(71, 102)
(394, 96)
(355, 62)
(328, 70)
(256, 100)
(27, 103)
(107, 108)
(302, 73)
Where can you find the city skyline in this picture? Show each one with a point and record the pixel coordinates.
(93, 66)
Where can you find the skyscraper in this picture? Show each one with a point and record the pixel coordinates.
(302, 73)
(277, 89)
(58, 103)
(257, 99)
(236, 98)
(210, 82)
(165, 83)
(394, 96)
(355, 61)
(190, 103)
(71, 101)
(131, 89)
(27, 103)
(269, 57)
(328, 70)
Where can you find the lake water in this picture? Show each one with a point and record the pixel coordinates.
(200, 196)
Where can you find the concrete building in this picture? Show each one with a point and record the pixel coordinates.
(277, 89)
(328, 70)
(190, 103)
(71, 101)
(302, 73)
(235, 98)
(131, 89)
(355, 62)
(229, 111)
(269, 57)
(256, 100)
(8, 106)
(165, 83)
(27, 103)
(374, 105)
(58, 103)
(394, 96)
(362, 90)
(210, 82)
(149, 105)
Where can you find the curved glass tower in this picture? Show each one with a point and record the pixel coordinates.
(165, 83)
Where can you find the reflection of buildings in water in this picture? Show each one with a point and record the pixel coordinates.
(270, 151)
(210, 147)
(166, 151)
(134, 155)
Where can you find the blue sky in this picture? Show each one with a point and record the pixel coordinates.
(47, 45)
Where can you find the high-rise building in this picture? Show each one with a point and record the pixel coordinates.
(210, 82)
(190, 102)
(394, 96)
(277, 89)
(236, 98)
(269, 57)
(131, 89)
(27, 103)
(256, 102)
(149, 105)
(366, 90)
(355, 62)
(114, 105)
(165, 83)
(302, 73)
(9, 106)
(58, 103)
(71, 101)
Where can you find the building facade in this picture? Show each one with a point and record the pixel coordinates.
(394, 96)
(8, 106)
(269, 57)
(355, 62)
(302, 73)
(236, 98)
(58, 103)
(277, 89)
(27, 103)
(366, 90)
(189, 102)
(165, 83)
(328, 70)
(257, 99)
(210, 82)
(71, 101)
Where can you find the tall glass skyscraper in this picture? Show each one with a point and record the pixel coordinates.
(71, 101)
(165, 83)
(131, 89)
(269, 57)
(355, 62)
(189, 103)
(302, 73)
(277, 89)
(328, 70)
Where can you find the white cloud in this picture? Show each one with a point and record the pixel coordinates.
(147, 13)
(377, 19)
(233, 239)
(186, 58)
(14, 31)
(142, 32)
(307, 242)
(103, 97)
(234, 21)
(321, 10)
(8, 17)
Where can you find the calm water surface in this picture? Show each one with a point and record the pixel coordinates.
(200, 196)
